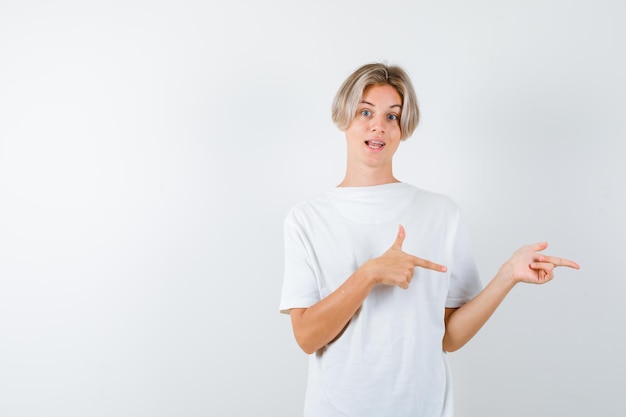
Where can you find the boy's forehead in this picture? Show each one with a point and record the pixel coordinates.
(375, 94)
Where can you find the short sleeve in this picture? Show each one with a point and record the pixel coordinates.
(300, 289)
(465, 281)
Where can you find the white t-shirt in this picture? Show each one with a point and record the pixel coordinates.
(389, 360)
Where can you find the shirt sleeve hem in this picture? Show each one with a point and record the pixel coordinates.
(285, 307)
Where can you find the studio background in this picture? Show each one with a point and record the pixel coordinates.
(149, 152)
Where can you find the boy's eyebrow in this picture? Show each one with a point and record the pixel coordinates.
(371, 104)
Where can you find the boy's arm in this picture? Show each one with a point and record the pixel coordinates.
(526, 265)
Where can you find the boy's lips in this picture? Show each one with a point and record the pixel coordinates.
(375, 144)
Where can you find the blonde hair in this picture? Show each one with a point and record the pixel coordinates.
(351, 92)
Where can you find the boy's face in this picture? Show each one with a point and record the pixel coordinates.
(374, 134)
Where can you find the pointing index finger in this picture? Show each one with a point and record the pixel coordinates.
(556, 261)
(426, 264)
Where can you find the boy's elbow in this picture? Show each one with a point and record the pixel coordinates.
(450, 349)
(450, 346)
(305, 344)
(302, 332)
(307, 349)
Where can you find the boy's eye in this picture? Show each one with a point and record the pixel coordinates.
(366, 113)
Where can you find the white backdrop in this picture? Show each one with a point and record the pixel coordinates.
(150, 150)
